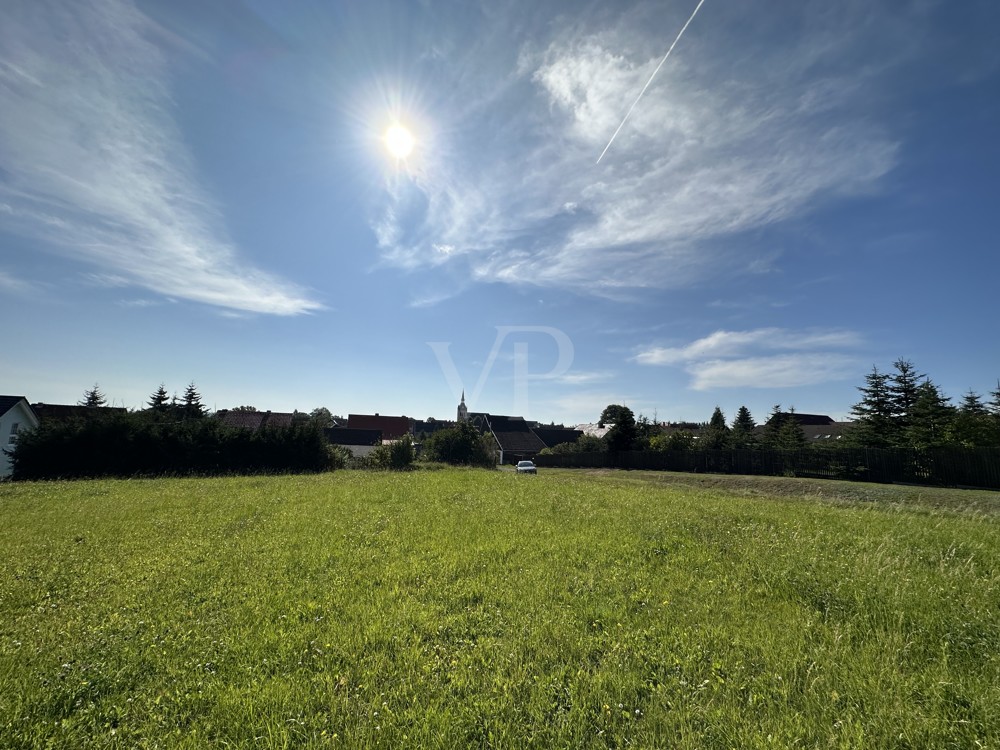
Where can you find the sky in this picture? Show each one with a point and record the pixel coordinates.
(203, 192)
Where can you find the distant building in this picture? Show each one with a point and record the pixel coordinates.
(16, 416)
(593, 429)
(553, 436)
(71, 412)
(358, 441)
(818, 428)
(392, 428)
(424, 428)
(258, 420)
(463, 410)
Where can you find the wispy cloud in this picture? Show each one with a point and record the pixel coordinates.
(761, 358)
(584, 378)
(92, 160)
(723, 143)
(14, 285)
(737, 343)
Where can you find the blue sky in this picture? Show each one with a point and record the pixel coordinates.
(201, 192)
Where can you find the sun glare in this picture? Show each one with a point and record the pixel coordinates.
(399, 141)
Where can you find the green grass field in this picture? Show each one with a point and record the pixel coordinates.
(473, 608)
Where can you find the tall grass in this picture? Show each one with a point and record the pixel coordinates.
(466, 608)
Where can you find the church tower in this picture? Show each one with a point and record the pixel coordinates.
(463, 410)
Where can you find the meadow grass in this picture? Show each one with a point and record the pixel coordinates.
(470, 608)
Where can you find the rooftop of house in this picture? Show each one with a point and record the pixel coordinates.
(592, 429)
(392, 427)
(803, 419)
(254, 420)
(553, 436)
(66, 412)
(353, 436)
(9, 402)
(430, 426)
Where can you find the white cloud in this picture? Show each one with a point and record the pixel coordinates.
(91, 159)
(583, 378)
(721, 143)
(14, 285)
(780, 371)
(737, 343)
(761, 358)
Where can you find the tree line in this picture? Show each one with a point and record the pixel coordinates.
(171, 436)
(903, 408)
(898, 409)
(628, 433)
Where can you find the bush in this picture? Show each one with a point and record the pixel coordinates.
(461, 445)
(395, 456)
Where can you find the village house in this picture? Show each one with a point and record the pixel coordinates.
(16, 415)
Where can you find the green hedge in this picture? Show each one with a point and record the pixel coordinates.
(139, 444)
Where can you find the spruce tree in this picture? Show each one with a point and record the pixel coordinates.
(192, 402)
(994, 409)
(93, 398)
(159, 400)
(790, 434)
(994, 405)
(931, 418)
(742, 431)
(973, 423)
(717, 433)
(874, 426)
(902, 386)
(771, 437)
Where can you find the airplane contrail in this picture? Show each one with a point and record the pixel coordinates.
(679, 35)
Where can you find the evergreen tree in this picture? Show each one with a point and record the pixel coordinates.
(874, 426)
(790, 434)
(994, 405)
(742, 435)
(93, 398)
(717, 432)
(972, 403)
(771, 437)
(902, 386)
(159, 400)
(193, 407)
(973, 424)
(931, 418)
(994, 409)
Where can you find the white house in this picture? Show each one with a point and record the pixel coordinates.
(15, 415)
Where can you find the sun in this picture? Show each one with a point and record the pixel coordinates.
(399, 141)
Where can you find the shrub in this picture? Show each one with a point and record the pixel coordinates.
(395, 456)
(461, 445)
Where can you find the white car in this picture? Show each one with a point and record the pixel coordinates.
(526, 467)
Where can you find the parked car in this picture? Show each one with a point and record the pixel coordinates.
(526, 467)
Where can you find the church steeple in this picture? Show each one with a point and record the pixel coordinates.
(463, 410)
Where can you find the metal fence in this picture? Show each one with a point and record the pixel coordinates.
(955, 467)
